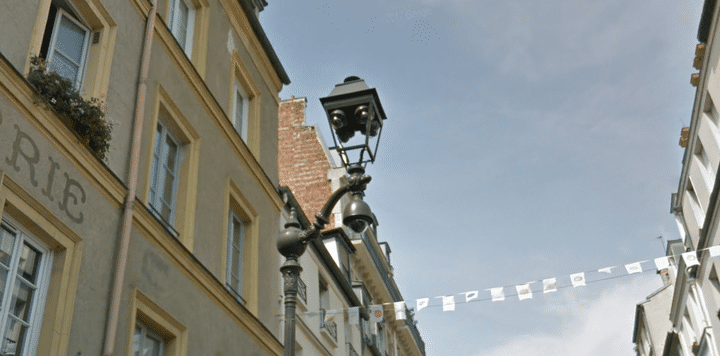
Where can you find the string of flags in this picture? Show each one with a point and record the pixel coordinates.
(522, 291)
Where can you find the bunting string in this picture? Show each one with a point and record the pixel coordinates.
(521, 291)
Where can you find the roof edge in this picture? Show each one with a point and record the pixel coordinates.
(706, 20)
(264, 41)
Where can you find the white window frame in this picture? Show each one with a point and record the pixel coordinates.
(146, 333)
(23, 237)
(84, 51)
(175, 22)
(240, 120)
(324, 294)
(232, 217)
(703, 162)
(158, 175)
(695, 204)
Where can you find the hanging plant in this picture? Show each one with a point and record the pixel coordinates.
(85, 117)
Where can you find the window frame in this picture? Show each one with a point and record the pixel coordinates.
(167, 113)
(174, 24)
(158, 176)
(144, 311)
(242, 79)
(232, 217)
(236, 202)
(241, 123)
(323, 294)
(145, 334)
(44, 269)
(705, 166)
(99, 52)
(82, 66)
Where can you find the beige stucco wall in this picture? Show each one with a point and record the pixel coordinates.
(189, 288)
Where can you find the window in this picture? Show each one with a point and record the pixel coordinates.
(241, 105)
(715, 283)
(65, 44)
(146, 342)
(165, 173)
(695, 205)
(236, 237)
(156, 332)
(172, 170)
(704, 164)
(238, 247)
(244, 104)
(324, 294)
(77, 37)
(182, 23)
(338, 247)
(24, 274)
(380, 336)
(710, 112)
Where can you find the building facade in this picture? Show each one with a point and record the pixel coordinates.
(694, 309)
(651, 316)
(167, 246)
(346, 269)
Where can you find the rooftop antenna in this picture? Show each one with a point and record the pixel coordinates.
(662, 242)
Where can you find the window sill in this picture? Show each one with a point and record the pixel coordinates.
(235, 295)
(163, 222)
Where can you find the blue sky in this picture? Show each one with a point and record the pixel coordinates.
(525, 140)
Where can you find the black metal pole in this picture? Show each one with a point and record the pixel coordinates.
(291, 272)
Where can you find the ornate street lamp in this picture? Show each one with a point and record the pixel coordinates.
(351, 107)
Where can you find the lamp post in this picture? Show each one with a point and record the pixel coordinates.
(351, 107)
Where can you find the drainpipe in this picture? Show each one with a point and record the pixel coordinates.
(126, 227)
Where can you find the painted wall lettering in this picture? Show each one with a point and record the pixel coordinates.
(47, 191)
(17, 150)
(67, 194)
(25, 149)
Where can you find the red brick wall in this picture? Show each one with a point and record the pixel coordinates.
(302, 163)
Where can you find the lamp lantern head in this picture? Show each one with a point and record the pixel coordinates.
(353, 107)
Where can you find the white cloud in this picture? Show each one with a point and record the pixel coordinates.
(598, 327)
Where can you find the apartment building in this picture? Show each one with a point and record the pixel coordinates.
(346, 269)
(164, 243)
(694, 309)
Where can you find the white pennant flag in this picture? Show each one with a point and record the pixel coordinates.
(633, 268)
(354, 315)
(376, 313)
(523, 291)
(577, 279)
(549, 285)
(470, 295)
(607, 270)
(400, 311)
(662, 263)
(422, 303)
(448, 302)
(497, 294)
(714, 251)
(690, 259)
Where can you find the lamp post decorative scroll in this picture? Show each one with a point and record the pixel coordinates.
(352, 106)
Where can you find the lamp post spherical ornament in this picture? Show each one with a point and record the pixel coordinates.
(290, 243)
